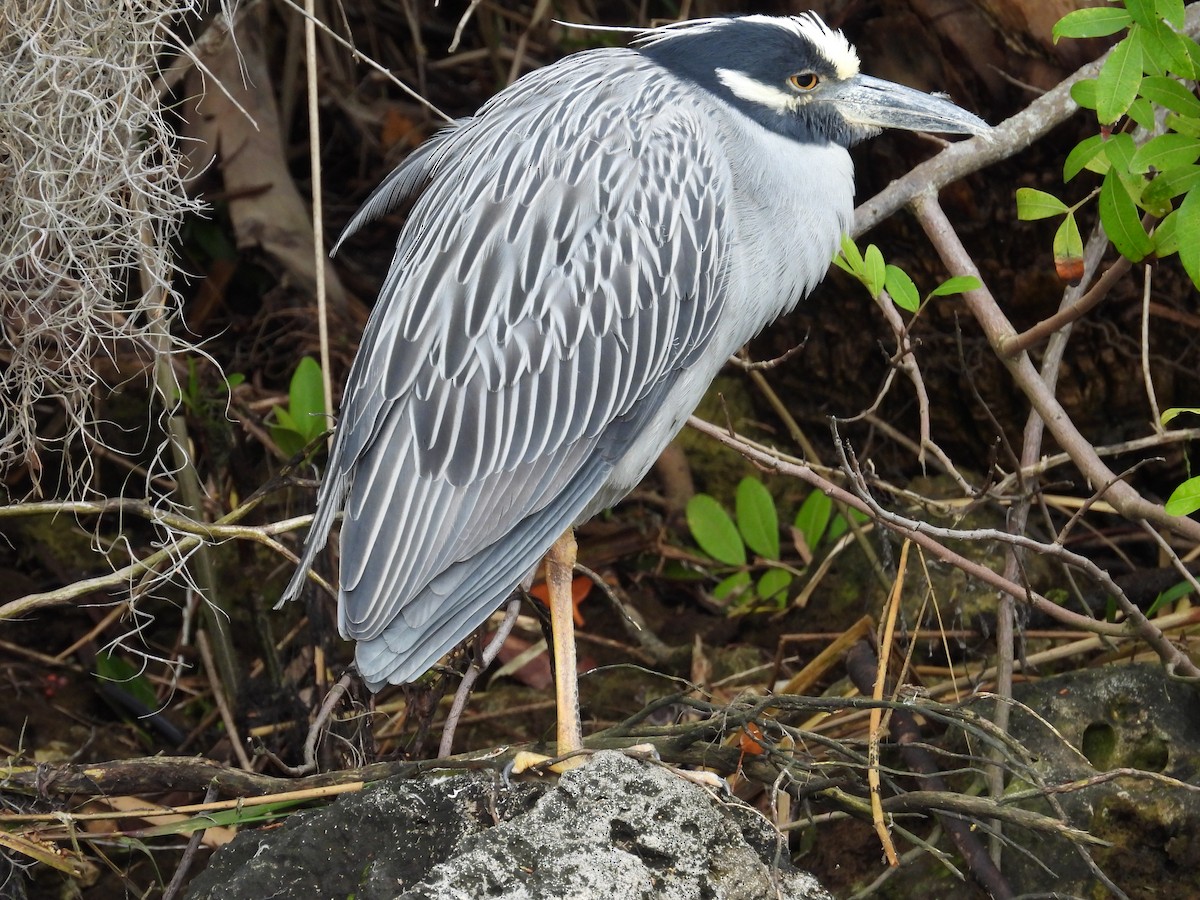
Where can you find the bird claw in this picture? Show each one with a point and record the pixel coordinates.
(525, 761)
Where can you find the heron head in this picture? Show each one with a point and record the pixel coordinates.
(796, 76)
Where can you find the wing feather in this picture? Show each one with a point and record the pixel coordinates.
(557, 270)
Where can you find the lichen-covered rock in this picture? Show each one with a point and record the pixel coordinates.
(615, 828)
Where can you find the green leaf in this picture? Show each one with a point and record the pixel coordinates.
(1187, 228)
(1183, 124)
(813, 518)
(1119, 149)
(959, 284)
(714, 531)
(306, 399)
(756, 518)
(1084, 93)
(286, 432)
(1171, 10)
(233, 379)
(1068, 243)
(1088, 154)
(1166, 48)
(1091, 23)
(1185, 499)
(1165, 153)
(1142, 11)
(1034, 204)
(840, 526)
(283, 419)
(850, 259)
(121, 671)
(874, 271)
(1121, 220)
(1118, 81)
(1142, 112)
(733, 586)
(1171, 184)
(901, 288)
(1176, 411)
(773, 586)
(1170, 93)
(1166, 240)
(1170, 595)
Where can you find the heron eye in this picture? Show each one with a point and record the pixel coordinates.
(804, 81)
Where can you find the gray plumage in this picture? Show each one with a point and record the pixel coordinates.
(580, 259)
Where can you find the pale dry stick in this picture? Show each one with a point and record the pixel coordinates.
(906, 361)
(1151, 396)
(217, 606)
(939, 455)
(462, 24)
(1018, 518)
(214, 678)
(267, 798)
(987, 312)
(318, 216)
(197, 533)
(472, 674)
(876, 715)
(1177, 663)
(1070, 650)
(1170, 553)
(362, 57)
(315, 730)
(1046, 463)
(539, 13)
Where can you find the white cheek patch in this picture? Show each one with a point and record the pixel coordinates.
(754, 91)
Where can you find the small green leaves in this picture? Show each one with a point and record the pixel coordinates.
(1068, 250)
(1118, 82)
(1152, 69)
(304, 419)
(1087, 154)
(1033, 204)
(1092, 23)
(1187, 233)
(1171, 11)
(959, 284)
(1185, 499)
(1121, 221)
(1175, 411)
(773, 586)
(813, 518)
(132, 679)
(901, 288)
(1068, 244)
(1169, 93)
(714, 531)
(756, 518)
(849, 259)
(876, 275)
(1165, 152)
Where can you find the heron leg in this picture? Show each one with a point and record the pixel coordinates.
(560, 573)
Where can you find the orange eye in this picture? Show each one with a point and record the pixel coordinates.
(804, 81)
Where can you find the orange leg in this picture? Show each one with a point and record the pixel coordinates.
(560, 572)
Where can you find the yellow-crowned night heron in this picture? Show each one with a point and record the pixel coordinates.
(581, 258)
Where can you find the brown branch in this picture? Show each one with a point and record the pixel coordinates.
(999, 330)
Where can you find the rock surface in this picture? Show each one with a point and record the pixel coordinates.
(615, 828)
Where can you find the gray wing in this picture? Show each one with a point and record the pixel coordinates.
(559, 270)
